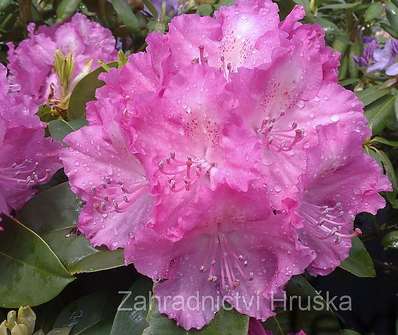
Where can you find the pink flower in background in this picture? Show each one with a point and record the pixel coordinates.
(31, 63)
(224, 162)
(27, 158)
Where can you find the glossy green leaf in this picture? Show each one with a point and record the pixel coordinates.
(225, 323)
(131, 316)
(152, 8)
(328, 25)
(85, 92)
(291, 319)
(126, 15)
(359, 263)
(346, 5)
(349, 82)
(66, 9)
(385, 141)
(372, 94)
(390, 241)
(379, 112)
(102, 328)
(60, 128)
(389, 30)
(343, 72)
(205, 10)
(52, 214)
(87, 314)
(374, 11)
(31, 274)
(392, 16)
(349, 332)
(58, 331)
(4, 4)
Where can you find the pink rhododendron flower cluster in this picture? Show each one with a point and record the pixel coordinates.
(27, 158)
(225, 159)
(32, 62)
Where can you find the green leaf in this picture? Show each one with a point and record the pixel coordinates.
(205, 10)
(225, 323)
(84, 92)
(4, 4)
(127, 16)
(349, 82)
(31, 274)
(303, 309)
(359, 263)
(152, 8)
(328, 25)
(390, 241)
(382, 140)
(392, 16)
(379, 112)
(87, 314)
(389, 29)
(374, 11)
(349, 332)
(102, 328)
(52, 214)
(66, 9)
(60, 128)
(372, 94)
(341, 6)
(131, 316)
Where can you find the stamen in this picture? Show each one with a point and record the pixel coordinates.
(24, 174)
(280, 139)
(229, 267)
(327, 221)
(118, 197)
(183, 174)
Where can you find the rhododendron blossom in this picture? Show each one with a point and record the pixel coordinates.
(27, 159)
(33, 63)
(224, 162)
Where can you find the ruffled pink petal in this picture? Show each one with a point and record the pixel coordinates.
(290, 23)
(314, 37)
(236, 249)
(243, 24)
(190, 134)
(188, 35)
(340, 182)
(27, 159)
(111, 182)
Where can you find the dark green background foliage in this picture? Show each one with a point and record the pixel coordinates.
(45, 263)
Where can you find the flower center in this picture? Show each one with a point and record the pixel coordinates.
(114, 196)
(223, 265)
(280, 139)
(182, 174)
